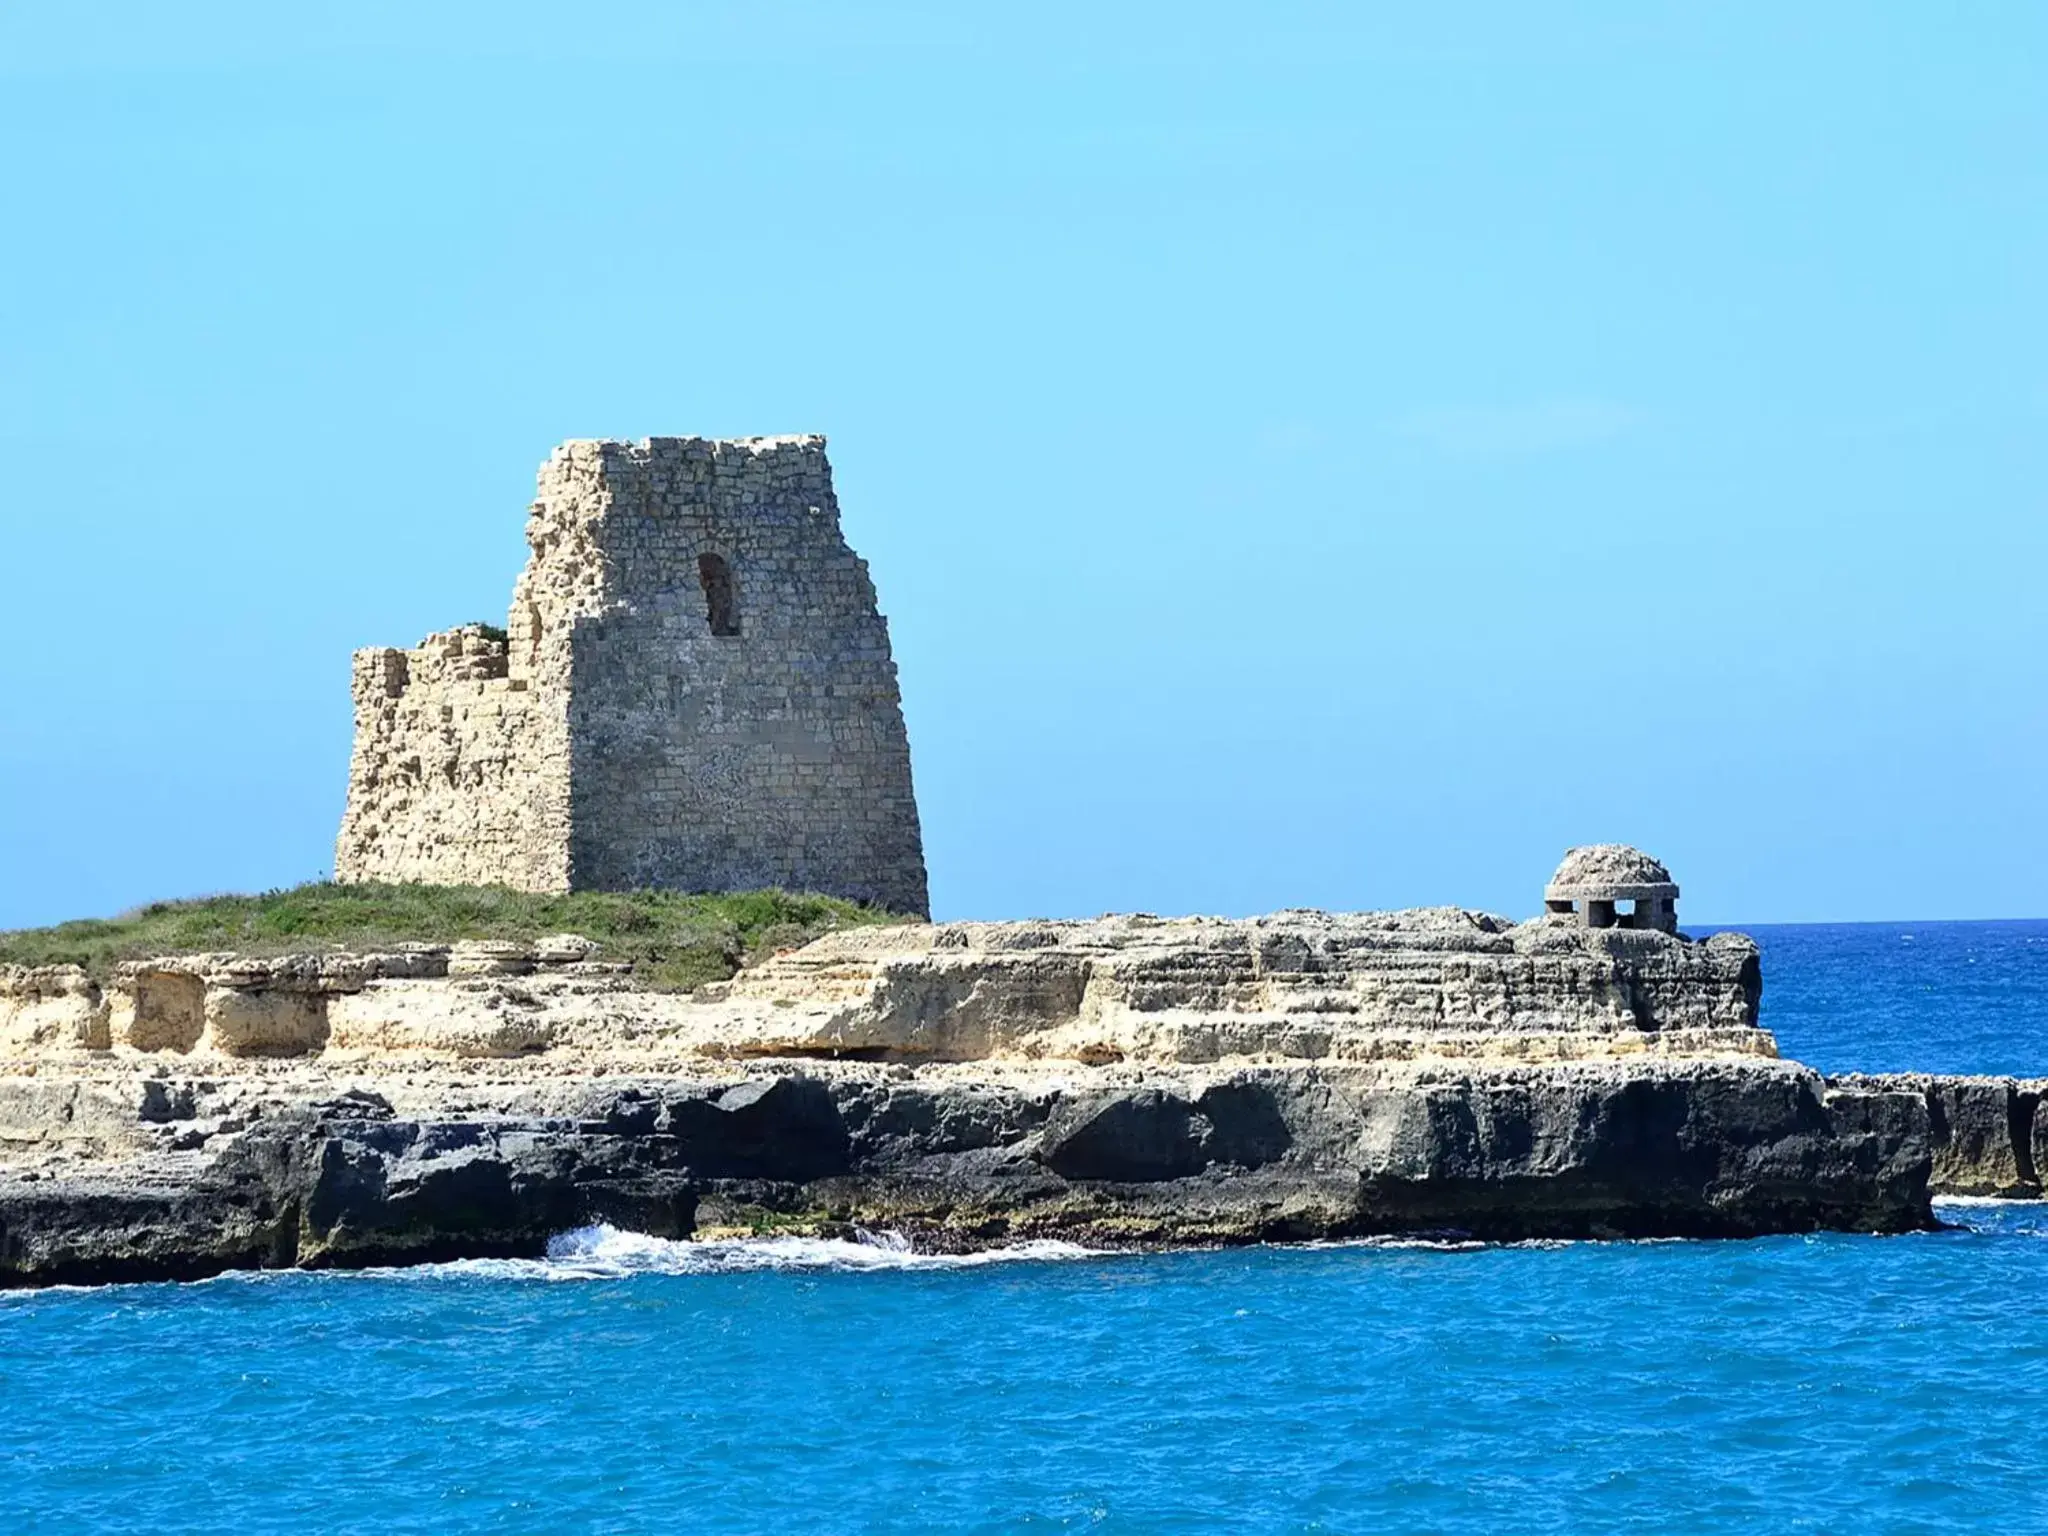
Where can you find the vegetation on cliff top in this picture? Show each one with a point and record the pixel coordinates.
(673, 940)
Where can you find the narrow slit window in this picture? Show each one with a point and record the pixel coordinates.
(719, 606)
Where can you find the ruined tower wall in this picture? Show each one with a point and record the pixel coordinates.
(460, 773)
(734, 716)
(695, 691)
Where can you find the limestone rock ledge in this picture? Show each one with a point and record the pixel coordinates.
(1298, 986)
(1126, 1081)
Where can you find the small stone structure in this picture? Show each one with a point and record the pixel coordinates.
(694, 690)
(1594, 880)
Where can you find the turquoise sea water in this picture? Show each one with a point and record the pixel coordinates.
(1830, 1383)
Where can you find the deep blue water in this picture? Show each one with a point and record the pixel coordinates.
(1909, 997)
(1829, 1383)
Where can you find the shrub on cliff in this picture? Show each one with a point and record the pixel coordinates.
(673, 940)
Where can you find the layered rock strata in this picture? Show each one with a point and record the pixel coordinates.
(1297, 986)
(1126, 1081)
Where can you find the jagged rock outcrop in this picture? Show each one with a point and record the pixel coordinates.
(960, 1159)
(1129, 1080)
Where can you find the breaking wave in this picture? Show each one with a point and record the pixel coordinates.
(1991, 1202)
(607, 1253)
(1993, 1216)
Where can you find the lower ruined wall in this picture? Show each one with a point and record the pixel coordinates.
(740, 769)
(460, 771)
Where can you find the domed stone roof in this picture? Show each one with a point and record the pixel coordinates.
(1609, 871)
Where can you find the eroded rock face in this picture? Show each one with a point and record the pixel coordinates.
(962, 1160)
(279, 1006)
(49, 1008)
(1986, 1134)
(1124, 1081)
(1298, 986)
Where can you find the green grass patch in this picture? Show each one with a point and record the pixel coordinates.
(674, 941)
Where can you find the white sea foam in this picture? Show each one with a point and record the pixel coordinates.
(606, 1253)
(1398, 1241)
(1999, 1200)
(1993, 1215)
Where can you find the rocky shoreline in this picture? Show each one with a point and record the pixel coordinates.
(1986, 1135)
(967, 1158)
(1126, 1082)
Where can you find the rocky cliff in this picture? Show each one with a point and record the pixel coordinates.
(1986, 1135)
(1127, 1080)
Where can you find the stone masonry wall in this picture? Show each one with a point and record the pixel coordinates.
(773, 755)
(460, 774)
(696, 692)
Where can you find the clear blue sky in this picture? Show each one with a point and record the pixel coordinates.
(1309, 455)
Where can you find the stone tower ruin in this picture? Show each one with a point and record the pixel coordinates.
(693, 690)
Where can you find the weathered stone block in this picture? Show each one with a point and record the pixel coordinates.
(242, 1022)
(50, 1007)
(157, 1010)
